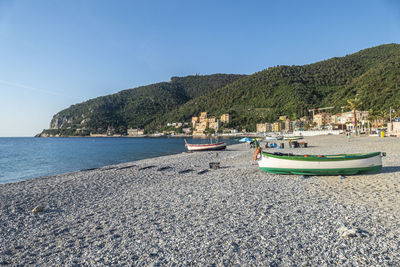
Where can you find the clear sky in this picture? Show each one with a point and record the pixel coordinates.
(57, 53)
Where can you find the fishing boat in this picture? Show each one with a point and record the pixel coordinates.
(341, 164)
(272, 138)
(292, 137)
(205, 147)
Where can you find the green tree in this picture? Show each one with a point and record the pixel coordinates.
(372, 117)
(209, 131)
(354, 104)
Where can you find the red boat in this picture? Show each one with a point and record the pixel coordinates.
(204, 147)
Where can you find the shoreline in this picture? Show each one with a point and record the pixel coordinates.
(176, 210)
(23, 165)
(147, 136)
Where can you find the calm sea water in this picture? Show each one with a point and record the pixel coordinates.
(25, 158)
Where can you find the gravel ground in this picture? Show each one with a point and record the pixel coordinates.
(174, 210)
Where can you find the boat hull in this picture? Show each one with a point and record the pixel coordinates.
(293, 138)
(326, 165)
(206, 147)
(273, 138)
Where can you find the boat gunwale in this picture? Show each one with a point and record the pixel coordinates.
(324, 172)
(337, 157)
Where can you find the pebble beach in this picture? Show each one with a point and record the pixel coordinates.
(175, 210)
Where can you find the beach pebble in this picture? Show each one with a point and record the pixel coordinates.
(38, 209)
(233, 216)
(347, 233)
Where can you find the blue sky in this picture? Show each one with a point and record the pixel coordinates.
(57, 53)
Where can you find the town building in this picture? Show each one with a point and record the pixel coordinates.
(306, 120)
(214, 125)
(264, 127)
(175, 124)
(282, 118)
(195, 119)
(212, 119)
(347, 119)
(299, 125)
(203, 116)
(394, 128)
(322, 120)
(110, 131)
(278, 126)
(200, 124)
(225, 118)
(378, 123)
(288, 125)
(229, 131)
(135, 132)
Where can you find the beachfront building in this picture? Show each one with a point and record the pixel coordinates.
(299, 125)
(214, 125)
(322, 120)
(110, 131)
(264, 127)
(278, 126)
(347, 119)
(337, 121)
(306, 120)
(225, 118)
(343, 118)
(175, 124)
(336, 118)
(200, 128)
(340, 120)
(288, 125)
(212, 119)
(200, 124)
(203, 116)
(230, 131)
(195, 119)
(394, 128)
(378, 123)
(135, 132)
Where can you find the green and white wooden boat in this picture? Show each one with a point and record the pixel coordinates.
(341, 164)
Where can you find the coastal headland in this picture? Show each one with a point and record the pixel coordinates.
(176, 210)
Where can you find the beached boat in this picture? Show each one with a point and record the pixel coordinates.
(342, 164)
(205, 147)
(272, 138)
(292, 137)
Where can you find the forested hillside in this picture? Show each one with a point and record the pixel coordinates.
(136, 107)
(372, 74)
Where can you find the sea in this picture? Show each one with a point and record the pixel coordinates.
(23, 158)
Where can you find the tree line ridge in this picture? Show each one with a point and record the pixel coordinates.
(373, 75)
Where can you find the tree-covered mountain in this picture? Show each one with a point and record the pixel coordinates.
(372, 74)
(135, 107)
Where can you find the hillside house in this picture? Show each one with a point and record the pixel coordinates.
(135, 132)
(225, 118)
